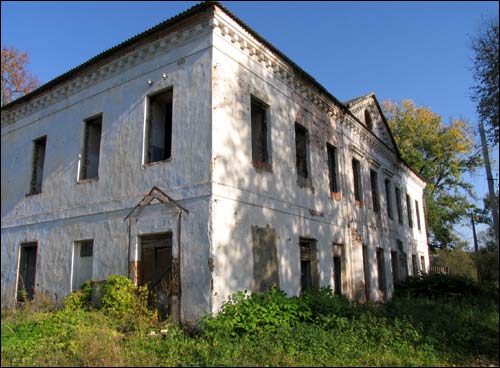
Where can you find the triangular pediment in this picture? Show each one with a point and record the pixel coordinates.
(368, 111)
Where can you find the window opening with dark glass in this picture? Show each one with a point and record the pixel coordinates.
(337, 275)
(160, 127)
(356, 170)
(388, 199)
(381, 268)
(39, 146)
(414, 264)
(368, 120)
(366, 271)
(91, 148)
(301, 151)
(332, 168)
(308, 265)
(408, 210)
(395, 270)
(259, 132)
(417, 213)
(374, 184)
(399, 206)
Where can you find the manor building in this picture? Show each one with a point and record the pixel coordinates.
(197, 158)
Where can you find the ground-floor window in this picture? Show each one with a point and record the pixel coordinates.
(27, 271)
(308, 264)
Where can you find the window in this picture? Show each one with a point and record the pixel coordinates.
(408, 210)
(259, 132)
(91, 148)
(404, 265)
(368, 120)
(265, 258)
(395, 270)
(27, 270)
(301, 151)
(39, 146)
(418, 214)
(381, 269)
(82, 262)
(337, 272)
(159, 127)
(388, 200)
(332, 168)
(399, 206)
(374, 184)
(356, 170)
(422, 264)
(414, 264)
(308, 265)
(366, 271)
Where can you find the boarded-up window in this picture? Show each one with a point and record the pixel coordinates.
(159, 127)
(414, 264)
(399, 205)
(265, 258)
(308, 264)
(368, 120)
(417, 213)
(301, 151)
(388, 200)
(332, 168)
(356, 171)
(259, 131)
(381, 269)
(82, 262)
(408, 210)
(39, 146)
(374, 185)
(366, 272)
(395, 269)
(91, 148)
(27, 270)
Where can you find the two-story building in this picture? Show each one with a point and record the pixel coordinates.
(197, 158)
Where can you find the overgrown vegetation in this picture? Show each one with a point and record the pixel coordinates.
(433, 320)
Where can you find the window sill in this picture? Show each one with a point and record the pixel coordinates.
(32, 194)
(335, 195)
(89, 180)
(156, 163)
(262, 166)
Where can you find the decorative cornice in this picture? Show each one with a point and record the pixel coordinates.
(105, 71)
(259, 53)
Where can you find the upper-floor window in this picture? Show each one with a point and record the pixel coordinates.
(399, 205)
(260, 152)
(408, 208)
(374, 185)
(356, 171)
(388, 200)
(332, 168)
(159, 127)
(417, 212)
(368, 120)
(39, 146)
(301, 151)
(89, 168)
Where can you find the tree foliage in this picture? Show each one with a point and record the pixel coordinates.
(485, 44)
(16, 80)
(441, 154)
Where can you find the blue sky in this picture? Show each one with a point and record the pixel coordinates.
(415, 50)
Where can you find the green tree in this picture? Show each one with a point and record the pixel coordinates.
(485, 44)
(441, 154)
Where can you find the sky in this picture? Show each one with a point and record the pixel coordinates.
(398, 50)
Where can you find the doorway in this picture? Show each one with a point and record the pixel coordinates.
(27, 270)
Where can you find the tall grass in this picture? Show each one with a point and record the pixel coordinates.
(456, 326)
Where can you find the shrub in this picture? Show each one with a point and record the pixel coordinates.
(79, 299)
(121, 297)
(251, 314)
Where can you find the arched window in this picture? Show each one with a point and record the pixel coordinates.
(368, 120)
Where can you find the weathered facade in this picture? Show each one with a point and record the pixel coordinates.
(262, 176)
